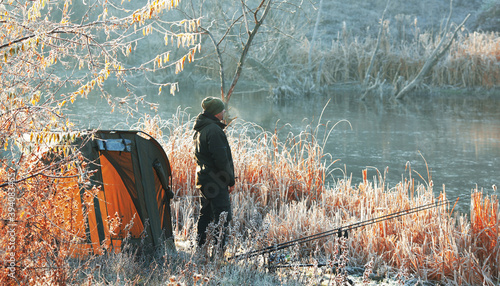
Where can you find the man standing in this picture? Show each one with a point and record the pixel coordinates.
(215, 170)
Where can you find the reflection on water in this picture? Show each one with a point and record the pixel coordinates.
(458, 137)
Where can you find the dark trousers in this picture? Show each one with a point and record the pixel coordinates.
(210, 212)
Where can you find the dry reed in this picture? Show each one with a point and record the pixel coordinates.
(42, 228)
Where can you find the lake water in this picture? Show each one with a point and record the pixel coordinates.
(457, 135)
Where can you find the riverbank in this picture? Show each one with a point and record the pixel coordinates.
(303, 57)
(281, 195)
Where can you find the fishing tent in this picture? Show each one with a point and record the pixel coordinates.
(134, 176)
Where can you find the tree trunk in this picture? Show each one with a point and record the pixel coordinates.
(437, 54)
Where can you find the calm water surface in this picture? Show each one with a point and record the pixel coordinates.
(458, 136)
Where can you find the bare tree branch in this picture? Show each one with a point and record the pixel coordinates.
(258, 23)
(219, 59)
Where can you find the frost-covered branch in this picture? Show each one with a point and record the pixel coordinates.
(439, 51)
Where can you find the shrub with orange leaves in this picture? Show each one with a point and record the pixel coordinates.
(42, 225)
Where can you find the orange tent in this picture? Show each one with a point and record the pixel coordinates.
(133, 202)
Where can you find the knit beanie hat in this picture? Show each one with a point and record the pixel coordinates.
(213, 105)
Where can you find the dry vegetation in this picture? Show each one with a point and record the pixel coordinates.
(471, 62)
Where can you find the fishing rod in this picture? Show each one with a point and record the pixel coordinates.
(340, 231)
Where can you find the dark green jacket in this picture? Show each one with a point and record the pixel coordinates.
(212, 154)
